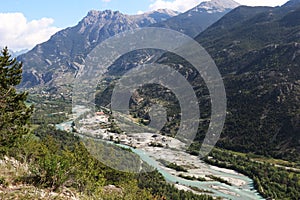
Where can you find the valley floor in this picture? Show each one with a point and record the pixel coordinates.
(159, 150)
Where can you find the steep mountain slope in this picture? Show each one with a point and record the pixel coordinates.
(257, 51)
(249, 28)
(255, 48)
(263, 102)
(191, 23)
(55, 62)
(57, 59)
(200, 17)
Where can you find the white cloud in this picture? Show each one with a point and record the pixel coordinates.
(106, 0)
(17, 33)
(140, 12)
(177, 5)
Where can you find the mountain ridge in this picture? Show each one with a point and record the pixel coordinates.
(197, 19)
(257, 51)
(215, 6)
(55, 61)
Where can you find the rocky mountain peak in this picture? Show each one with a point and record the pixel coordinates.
(55, 61)
(97, 13)
(167, 11)
(152, 17)
(215, 6)
(95, 16)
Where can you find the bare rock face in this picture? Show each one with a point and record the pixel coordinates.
(56, 61)
(215, 6)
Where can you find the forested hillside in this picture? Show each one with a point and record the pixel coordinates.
(257, 52)
(38, 161)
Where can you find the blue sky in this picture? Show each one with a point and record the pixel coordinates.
(68, 12)
(25, 23)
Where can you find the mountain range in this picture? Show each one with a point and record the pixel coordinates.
(257, 50)
(55, 62)
(197, 19)
(60, 57)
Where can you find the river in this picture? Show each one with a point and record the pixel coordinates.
(235, 192)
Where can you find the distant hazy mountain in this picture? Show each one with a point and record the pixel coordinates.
(17, 53)
(200, 17)
(57, 59)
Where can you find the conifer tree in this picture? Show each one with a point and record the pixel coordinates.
(14, 114)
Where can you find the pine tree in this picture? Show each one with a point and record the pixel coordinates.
(14, 114)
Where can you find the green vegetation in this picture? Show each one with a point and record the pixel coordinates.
(202, 191)
(176, 167)
(154, 181)
(49, 110)
(3, 181)
(44, 160)
(172, 165)
(271, 181)
(254, 49)
(14, 114)
(257, 52)
(192, 178)
(215, 178)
